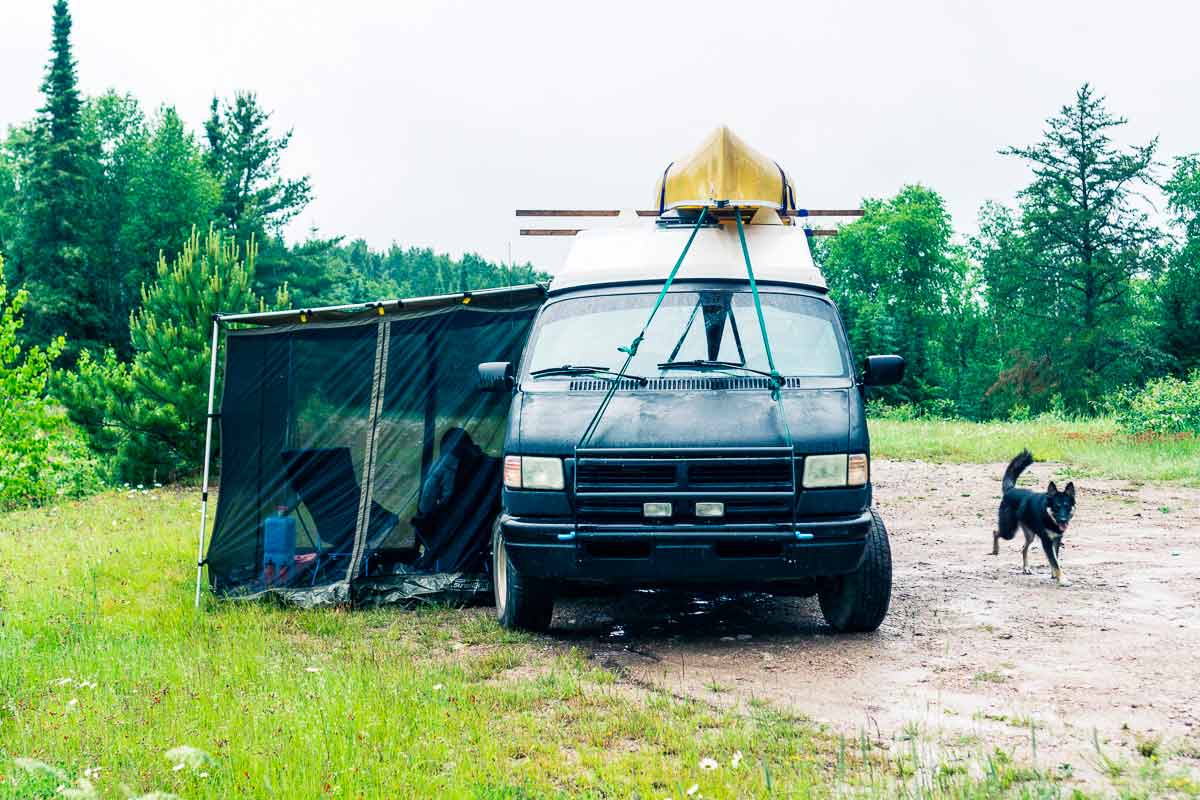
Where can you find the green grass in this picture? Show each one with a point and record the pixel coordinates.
(105, 667)
(1092, 448)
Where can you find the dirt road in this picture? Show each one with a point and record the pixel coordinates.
(973, 654)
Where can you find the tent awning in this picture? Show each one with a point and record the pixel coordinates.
(502, 298)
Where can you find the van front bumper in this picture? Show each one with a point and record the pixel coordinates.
(715, 556)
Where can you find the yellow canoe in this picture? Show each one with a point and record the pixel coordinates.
(725, 171)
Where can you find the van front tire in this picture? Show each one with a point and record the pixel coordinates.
(521, 603)
(858, 602)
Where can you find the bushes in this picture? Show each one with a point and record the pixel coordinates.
(41, 456)
(1164, 406)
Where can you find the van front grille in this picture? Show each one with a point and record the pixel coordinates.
(755, 484)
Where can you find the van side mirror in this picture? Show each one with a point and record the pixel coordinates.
(495, 376)
(883, 370)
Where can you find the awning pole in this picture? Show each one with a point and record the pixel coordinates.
(208, 425)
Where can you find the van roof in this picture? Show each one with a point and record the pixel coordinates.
(640, 251)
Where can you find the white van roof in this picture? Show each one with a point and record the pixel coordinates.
(639, 250)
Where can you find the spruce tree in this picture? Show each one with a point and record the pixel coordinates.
(1084, 239)
(51, 257)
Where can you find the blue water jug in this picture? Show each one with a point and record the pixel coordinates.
(279, 547)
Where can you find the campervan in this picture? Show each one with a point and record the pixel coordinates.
(687, 411)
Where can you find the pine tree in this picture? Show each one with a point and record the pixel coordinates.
(147, 416)
(244, 156)
(50, 253)
(1085, 240)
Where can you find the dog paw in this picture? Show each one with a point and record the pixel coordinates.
(1026, 571)
(1062, 582)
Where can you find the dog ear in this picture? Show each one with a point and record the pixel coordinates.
(1070, 490)
(1051, 490)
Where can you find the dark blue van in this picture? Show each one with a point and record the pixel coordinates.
(709, 467)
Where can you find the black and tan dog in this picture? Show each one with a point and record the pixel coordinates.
(1042, 515)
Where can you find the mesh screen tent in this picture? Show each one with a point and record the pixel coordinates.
(359, 461)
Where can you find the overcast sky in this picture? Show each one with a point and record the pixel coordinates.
(428, 123)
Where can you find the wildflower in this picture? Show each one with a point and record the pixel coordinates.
(737, 759)
(437, 687)
(185, 756)
(312, 669)
(695, 787)
(708, 763)
(92, 773)
(73, 702)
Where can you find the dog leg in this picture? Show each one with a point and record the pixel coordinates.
(1025, 570)
(1052, 557)
(996, 543)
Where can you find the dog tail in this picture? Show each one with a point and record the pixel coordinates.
(1015, 468)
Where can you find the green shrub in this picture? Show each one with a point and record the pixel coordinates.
(41, 456)
(1164, 406)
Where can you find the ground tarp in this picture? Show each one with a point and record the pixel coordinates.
(359, 462)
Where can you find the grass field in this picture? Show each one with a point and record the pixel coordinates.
(1091, 448)
(106, 671)
(105, 668)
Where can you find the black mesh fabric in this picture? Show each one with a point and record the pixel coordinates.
(358, 460)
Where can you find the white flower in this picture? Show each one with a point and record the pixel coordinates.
(437, 687)
(312, 669)
(695, 787)
(737, 759)
(708, 763)
(92, 773)
(74, 701)
(185, 756)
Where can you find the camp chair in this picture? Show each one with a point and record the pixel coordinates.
(324, 482)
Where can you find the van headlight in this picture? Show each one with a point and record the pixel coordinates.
(533, 472)
(837, 469)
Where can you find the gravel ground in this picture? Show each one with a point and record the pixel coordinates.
(973, 654)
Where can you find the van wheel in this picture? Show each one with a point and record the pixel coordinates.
(858, 602)
(521, 603)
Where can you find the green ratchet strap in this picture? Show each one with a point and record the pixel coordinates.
(632, 349)
(777, 380)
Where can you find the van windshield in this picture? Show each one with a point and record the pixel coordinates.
(705, 325)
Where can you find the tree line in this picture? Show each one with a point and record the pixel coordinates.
(122, 231)
(1058, 302)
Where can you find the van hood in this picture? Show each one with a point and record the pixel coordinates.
(550, 423)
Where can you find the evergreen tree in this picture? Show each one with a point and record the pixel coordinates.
(244, 156)
(1083, 241)
(147, 416)
(51, 260)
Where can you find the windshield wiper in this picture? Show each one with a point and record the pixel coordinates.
(584, 369)
(702, 363)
